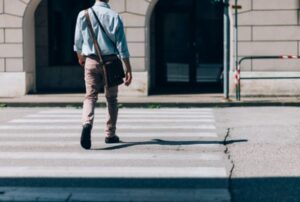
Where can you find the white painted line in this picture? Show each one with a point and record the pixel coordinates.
(101, 156)
(30, 120)
(133, 111)
(100, 143)
(147, 134)
(119, 126)
(114, 172)
(185, 116)
(97, 145)
(125, 119)
(39, 143)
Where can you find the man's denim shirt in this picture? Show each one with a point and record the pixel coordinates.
(113, 26)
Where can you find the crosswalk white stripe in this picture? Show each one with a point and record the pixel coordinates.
(75, 145)
(30, 120)
(34, 143)
(120, 126)
(137, 111)
(115, 172)
(41, 143)
(127, 135)
(149, 134)
(134, 113)
(154, 116)
(157, 124)
(100, 156)
(129, 119)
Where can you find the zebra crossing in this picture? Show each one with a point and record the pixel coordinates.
(165, 155)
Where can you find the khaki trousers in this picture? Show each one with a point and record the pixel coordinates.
(93, 83)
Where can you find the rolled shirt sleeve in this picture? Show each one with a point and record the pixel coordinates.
(121, 42)
(78, 39)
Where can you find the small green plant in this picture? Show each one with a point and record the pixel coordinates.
(2, 105)
(154, 106)
(73, 106)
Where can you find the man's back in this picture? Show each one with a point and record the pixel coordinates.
(113, 41)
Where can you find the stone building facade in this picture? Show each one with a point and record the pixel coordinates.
(30, 46)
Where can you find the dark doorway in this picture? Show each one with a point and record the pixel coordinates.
(187, 46)
(57, 69)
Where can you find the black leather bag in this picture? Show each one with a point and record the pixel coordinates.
(113, 71)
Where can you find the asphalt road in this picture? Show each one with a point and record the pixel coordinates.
(267, 165)
(263, 144)
(165, 155)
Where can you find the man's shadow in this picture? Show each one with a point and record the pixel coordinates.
(123, 145)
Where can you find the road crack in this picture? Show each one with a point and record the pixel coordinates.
(226, 142)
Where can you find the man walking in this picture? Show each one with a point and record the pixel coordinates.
(112, 41)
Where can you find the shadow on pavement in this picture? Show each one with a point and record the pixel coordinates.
(111, 182)
(264, 189)
(170, 143)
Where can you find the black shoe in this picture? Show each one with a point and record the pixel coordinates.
(111, 140)
(85, 140)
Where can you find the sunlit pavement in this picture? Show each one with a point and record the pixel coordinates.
(165, 155)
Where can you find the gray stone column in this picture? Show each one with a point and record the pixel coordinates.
(12, 77)
(16, 41)
(133, 13)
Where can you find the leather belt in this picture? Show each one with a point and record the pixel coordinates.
(105, 57)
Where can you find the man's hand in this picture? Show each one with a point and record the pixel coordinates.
(128, 74)
(128, 78)
(81, 59)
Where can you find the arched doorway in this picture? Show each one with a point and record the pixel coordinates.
(57, 69)
(187, 46)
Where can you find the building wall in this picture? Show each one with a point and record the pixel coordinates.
(13, 79)
(267, 27)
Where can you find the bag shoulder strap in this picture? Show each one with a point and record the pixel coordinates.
(93, 35)
(103, 30)
(97, 47)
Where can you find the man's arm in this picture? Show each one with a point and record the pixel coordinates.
(78, 41)
(121, 44)
(128, 73)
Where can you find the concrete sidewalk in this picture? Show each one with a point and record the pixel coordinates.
(153, 101)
